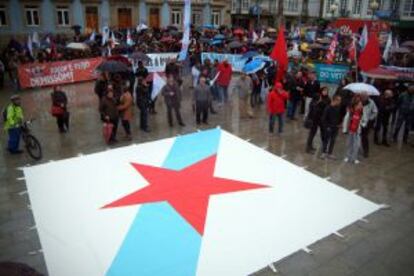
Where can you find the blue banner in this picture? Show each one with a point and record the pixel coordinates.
(331, 73)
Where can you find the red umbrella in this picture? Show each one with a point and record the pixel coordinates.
(120, 58)
(238, 32)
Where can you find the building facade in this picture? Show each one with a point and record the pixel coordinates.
(244, 12)
(19, 17)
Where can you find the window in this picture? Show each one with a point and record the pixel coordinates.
(245, 5)
(32, 16)
(3, 21)
(235, 6)
(380, 6)
(329, 3)
(408, 8)
(215, 18)
(291, 5)
(176, 17)
(356, 9)
(196, 18)
(62, 15)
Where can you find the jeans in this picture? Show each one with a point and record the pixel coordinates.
(14, 139)
(382, 122)
(292, 106)
(177, 114)
(329, 140)
(114, 130)
(222, 93)
(202, 112)
(312, 133)
(143, 118)
(364, 138)
(307, 105)
(352, 146)
(63, 122)
(127, 127)
(405, 119)
(272, 119)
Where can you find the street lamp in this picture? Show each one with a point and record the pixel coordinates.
(333, 8)
(374, 5)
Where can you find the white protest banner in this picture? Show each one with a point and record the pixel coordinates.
(158, 84)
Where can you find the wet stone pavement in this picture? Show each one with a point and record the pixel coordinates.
(382, 244)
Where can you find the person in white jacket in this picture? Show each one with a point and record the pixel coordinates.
(353, 123)
(370, 114)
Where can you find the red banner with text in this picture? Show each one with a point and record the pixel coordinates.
(61, 72)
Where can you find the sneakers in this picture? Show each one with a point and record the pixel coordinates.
(356, 162)
(346, 160)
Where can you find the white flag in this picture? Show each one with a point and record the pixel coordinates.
(255, 37)
(141, 27)
(157, 84)
(213, 81)
(363, 40)
(35, 39)
(387, 47)
(105, 35)
(92, 37)
(187, 25)
(130, 42)
(30, 45)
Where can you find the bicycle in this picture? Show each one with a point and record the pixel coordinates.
(32, 145)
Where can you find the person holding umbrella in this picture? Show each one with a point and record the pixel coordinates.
(370, 113)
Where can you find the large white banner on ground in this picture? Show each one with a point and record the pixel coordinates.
(205, 203)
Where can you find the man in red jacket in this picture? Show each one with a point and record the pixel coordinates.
(276, 102)
(225, 71)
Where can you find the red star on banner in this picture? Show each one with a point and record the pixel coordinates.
(187, 190)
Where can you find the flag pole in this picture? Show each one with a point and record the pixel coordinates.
(356, 59)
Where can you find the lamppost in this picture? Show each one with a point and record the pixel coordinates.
(333, 8)
(374, 5)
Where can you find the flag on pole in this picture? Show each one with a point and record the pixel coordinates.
(352, 49)
(30, 45)
(157, 85)
(279, 54)
(93, 36)
(370, 57)
(387, 47)
(255, 37)
(130, 42)
(331, 51)
(105, 35)
(187, 25)
(262, 34)
(363, 40)
(36, 39)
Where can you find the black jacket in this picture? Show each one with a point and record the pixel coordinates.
(331, 116)
(312, 89)
(317, 107)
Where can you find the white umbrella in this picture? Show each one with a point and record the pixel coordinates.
(141, 27)
(77, 46)
(294, 53)
(360, 87)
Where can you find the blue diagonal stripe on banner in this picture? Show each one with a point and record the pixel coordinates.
(160, 241)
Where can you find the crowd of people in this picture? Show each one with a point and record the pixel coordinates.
(298, 95)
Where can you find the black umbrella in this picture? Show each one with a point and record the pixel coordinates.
(140, 56)
(112, 66)
(235, 44)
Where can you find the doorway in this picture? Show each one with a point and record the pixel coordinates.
(154, 18)
(124, 18)
(92, 19)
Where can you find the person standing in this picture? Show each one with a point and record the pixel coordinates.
(60, 109)
(311, 90)
(172, 97)
(352, 124)
(13, 120)
(296, 86)
(331, 119)
(101, 86)
(244, 88)
(125, 110)
(405, 107)
(223, 81)
(143, 102)
(201, 99)
(109, 113)
(276, 102)
(316, 109)
(386, 106)
(370, 113)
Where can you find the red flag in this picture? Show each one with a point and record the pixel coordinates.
(332, 48)
(279, 54)
(370, 57)
(352, 49)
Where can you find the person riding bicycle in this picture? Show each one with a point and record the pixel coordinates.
(13, 120)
